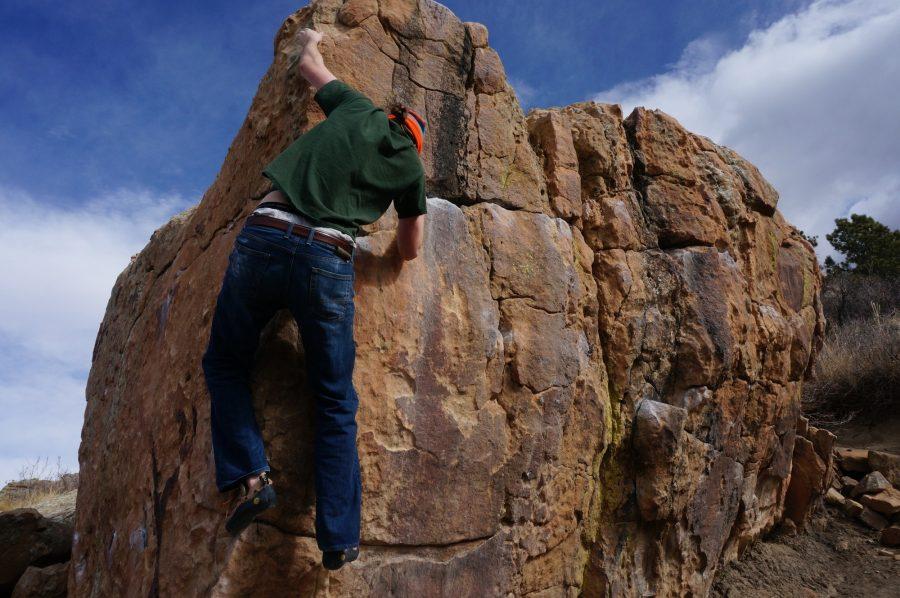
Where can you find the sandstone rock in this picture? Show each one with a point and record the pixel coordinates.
(833, 497)
(836, 482)
(871, 483)
(890, 536)
(478, 33)
(812, 472)
(355, 12)
(658, 430)
(554, 138)
(823, 441)
(853, 460)
(848, 484)
(886, 463)
(872, 519)
(583, 275)
(27, 538)
(802, 426)
(886, 502)
(59, 507)
(43, 582)
(852, 508)
(807, 481)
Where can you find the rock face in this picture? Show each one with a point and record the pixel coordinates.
(587, 383)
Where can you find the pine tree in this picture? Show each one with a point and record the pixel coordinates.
(869, 246)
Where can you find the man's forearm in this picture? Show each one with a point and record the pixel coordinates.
(311, 62)
(312, 66)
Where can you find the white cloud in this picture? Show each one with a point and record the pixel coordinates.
(811, 100)
(525, 92)
(59, 265)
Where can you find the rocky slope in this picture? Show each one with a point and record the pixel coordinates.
(851, 548)
(587, 384)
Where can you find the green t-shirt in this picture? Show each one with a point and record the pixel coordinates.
(345, 171)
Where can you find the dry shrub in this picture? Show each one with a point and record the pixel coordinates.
(38, 481)
(849, 296)
(856, 373)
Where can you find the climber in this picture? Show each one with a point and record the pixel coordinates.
(296, 251)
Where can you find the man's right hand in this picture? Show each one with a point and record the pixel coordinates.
(307, 36)
(312, 67)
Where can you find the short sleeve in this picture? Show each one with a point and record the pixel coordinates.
(336, 93)
(412, 202)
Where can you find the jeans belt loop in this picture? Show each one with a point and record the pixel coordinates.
(290, 229)
(309, 237)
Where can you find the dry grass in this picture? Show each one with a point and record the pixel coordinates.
(39, 482)
(30, 500)
(857, 373)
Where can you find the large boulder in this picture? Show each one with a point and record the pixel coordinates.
(589, 286)
(27, 538)
(43, 582)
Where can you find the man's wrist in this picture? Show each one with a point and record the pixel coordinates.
(308, 59)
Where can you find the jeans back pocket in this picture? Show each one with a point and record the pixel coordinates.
(330, 293)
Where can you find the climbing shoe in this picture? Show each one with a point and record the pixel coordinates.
(251, 505)
(335, 559)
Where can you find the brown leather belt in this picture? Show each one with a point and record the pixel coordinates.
(341, 247)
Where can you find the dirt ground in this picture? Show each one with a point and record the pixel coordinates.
(834, 556)
(882, 435)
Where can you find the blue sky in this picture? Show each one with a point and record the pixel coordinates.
(114, 115)
(100, 94)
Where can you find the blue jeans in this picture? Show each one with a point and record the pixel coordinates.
(268, 270)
